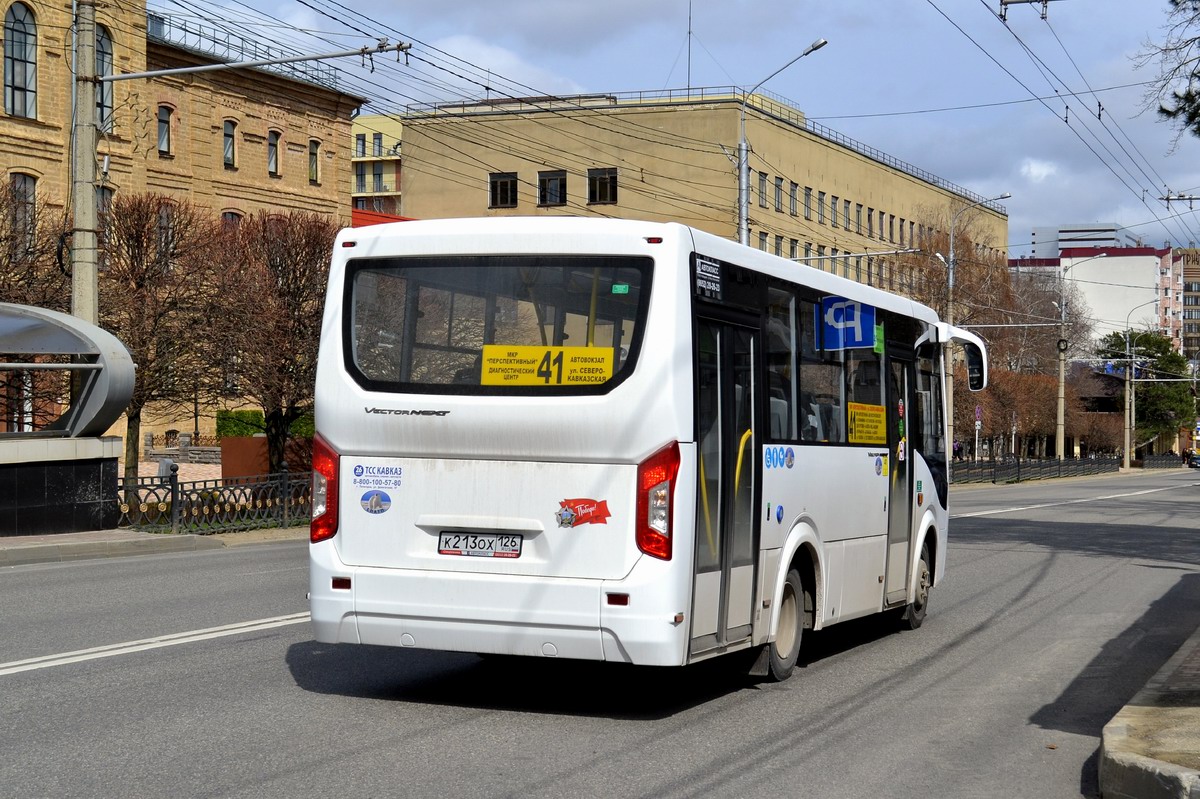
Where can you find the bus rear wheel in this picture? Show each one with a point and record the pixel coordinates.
(914, 613)
(784, 651)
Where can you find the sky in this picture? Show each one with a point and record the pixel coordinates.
(942, 84)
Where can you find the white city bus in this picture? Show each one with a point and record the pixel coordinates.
(618, 440)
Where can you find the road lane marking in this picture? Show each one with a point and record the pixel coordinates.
(1057, 504)
(158, 642)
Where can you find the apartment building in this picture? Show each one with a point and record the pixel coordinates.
(816, 196)
(375, 184)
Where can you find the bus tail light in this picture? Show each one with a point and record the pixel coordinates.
(656, 485)
(324, 491)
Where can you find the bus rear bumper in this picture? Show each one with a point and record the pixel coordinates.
(493, 613)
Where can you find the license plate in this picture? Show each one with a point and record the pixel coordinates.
(480, 545)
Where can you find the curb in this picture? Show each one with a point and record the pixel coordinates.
(1126, 770)
(141, 544)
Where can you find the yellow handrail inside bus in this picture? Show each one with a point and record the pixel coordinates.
(591, 330)
(737, 477)
(712, 547)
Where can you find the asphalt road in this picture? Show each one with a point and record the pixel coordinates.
(1062, 599)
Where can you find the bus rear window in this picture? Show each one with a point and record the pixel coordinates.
(494, 324)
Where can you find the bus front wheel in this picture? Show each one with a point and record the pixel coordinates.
(785, 649)
(914, 613)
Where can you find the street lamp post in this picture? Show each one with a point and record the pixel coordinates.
(1129, 422)
(948, 347)
(743, 148)
(1060, 437)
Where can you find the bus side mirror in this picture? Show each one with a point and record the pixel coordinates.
(976, 367)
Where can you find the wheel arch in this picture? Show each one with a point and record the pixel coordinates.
(801, 551)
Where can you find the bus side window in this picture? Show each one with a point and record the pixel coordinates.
(821, 378)
(781, 372)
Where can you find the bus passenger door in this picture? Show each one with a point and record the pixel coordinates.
(728, 476)
(900, 398)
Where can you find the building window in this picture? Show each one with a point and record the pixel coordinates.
(104, 89)
(273, 152)
(792, 198)
(20, 62)
(807, 202)
(360, 145)
(762, 189)
(778, 244)
(602, 185)
(229, 148)
(23, 222)
(314, 163)
(762, 240)
(858, 218)
(778, 194)
(846, 214)
(891, 228)
(552, 187)
(377, 145)
(833, 211)
(794, 249)
(164, 130)
(807, 250)
(871, 223)
(360, 177)
(881, 230)
(821, 207)
(502, 190)
(230, 220)
(360, 203)
(902, 232)
(377, 177)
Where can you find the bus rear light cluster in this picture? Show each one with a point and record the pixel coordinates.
(656, 485)
(324, 523)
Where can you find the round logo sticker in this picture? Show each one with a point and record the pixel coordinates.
(789, 458)
(878, 465)
(358, 470)
(779, 515)
(375, 501)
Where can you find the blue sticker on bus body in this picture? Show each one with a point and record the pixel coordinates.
(789, 457)
(358, 470)
(779, 515)
(375, 501)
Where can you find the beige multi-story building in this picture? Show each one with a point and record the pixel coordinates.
(233, 141)
(815, 195)
(375, 184)
(236, 141)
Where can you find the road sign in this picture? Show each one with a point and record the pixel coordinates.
(979, 425)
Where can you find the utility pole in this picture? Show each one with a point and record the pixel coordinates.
(84, 300)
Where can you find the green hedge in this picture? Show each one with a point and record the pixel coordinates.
(250, 423)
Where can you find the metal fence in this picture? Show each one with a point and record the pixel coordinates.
(1016, 470)
(163, 504)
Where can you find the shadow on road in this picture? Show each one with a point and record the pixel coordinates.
(1175, 539)
(1122, 667)
(525, 684)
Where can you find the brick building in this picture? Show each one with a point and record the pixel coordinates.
(234, 141)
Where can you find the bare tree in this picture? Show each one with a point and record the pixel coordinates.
(276, 291)
(1175, 92)
(156, 296)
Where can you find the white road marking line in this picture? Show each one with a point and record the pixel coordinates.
(111, 650)
(1056, 504)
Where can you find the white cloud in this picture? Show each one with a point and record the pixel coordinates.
(1036, 171)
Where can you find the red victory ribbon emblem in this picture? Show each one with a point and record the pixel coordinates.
(574, 512)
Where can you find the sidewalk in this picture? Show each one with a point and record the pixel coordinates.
(56, 548)
(1151, 748)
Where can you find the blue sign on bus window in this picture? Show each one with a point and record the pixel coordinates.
(846, 324)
